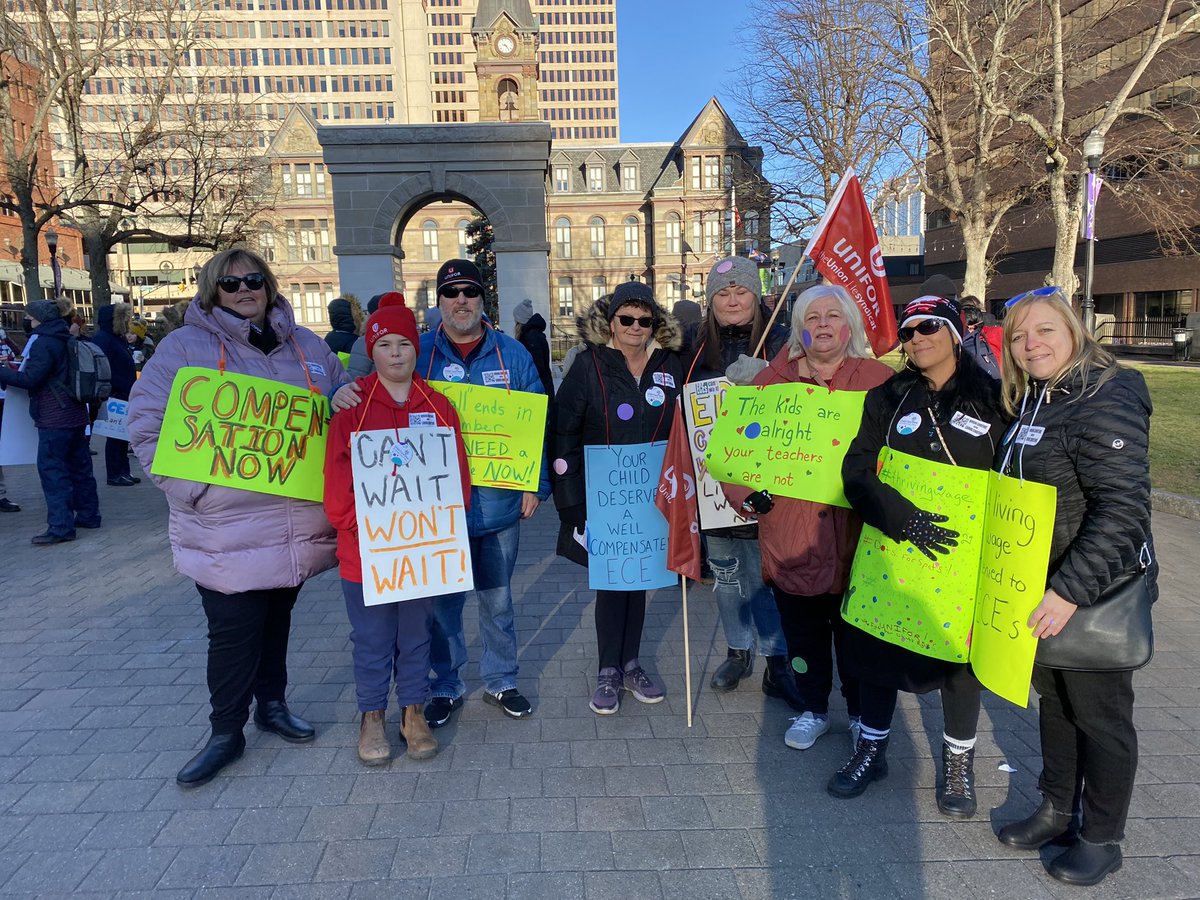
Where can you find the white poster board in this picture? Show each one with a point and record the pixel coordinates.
(112, 421)
(701, 406)
(412, 525)
(18, 436)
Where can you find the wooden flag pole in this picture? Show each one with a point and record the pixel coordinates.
(687, 654)
(779, 304)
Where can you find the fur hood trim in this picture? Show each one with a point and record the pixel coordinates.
(122, 316)
(593, 327)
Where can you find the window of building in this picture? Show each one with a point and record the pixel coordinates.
(595, 177)
(314, 304)
(629, 177)
(712, 173)
(319, 180)
(463, 240)
(750, 223)
(304, 180)
(429, 239)
(562, 179)
(599, 287)
(674, 288)
(712, 232)
(596, 229)
(562, 237)
(632, 241)
(696, 182)
(674, 230)
(566, 296)
(266, 241)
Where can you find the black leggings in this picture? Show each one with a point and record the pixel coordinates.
(620, 616)
(960, 704)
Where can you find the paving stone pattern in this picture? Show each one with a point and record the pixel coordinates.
(103, 698)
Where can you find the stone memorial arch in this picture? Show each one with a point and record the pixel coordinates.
(382, 175)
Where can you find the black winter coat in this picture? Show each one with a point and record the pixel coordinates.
(45, 376)
(1095, 452)
(341, 319)
(533, 339)
(120, 355)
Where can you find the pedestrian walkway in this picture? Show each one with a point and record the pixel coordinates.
(102, 699)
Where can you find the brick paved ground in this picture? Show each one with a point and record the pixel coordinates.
(102, 698)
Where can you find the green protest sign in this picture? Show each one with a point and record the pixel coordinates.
(244, 432)
(503, 431)
(970, 605)
(788, 439)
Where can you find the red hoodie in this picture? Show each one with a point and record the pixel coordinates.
(378, 410)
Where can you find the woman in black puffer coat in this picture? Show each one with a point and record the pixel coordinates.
(621, 390)
(1083, 426)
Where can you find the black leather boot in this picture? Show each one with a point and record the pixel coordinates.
(220, 751)
(1037, 830)
(1085, 863)
(738, 664)
(779, 681)
(956, 796)
(275, 717)
(869, 763)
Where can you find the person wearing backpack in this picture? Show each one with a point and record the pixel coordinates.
(63, 461)
(112, 323)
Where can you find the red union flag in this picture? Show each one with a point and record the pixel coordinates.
(845, 249)
(676, 500)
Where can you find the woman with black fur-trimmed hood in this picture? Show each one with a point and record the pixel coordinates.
(622, 389)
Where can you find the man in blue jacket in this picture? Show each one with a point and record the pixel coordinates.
(465, 349)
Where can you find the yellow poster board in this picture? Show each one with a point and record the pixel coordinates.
(504, 433)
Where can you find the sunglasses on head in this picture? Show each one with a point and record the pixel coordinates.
(1036, 292)
(466, 291)
(644, 321)
(925, 326)
(231, 283)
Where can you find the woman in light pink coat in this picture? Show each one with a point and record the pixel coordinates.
(249, 553)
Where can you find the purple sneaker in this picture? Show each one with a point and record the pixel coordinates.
(607, 698)
(641, 685)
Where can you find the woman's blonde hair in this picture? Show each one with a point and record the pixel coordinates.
(1095, 364)
(858, 333)
(221, 263)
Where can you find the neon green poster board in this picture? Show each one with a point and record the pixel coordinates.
(970, 605)
(244, 432)
(788, 439)
(503, 432)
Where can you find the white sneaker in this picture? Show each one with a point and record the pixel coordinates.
(855, 732)
(805, 730)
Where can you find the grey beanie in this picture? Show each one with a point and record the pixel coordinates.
(734, 271)
(43, 310)
(524, 311)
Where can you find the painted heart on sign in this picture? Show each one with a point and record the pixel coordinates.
(741, 428)
(836, 442)
(810, 391)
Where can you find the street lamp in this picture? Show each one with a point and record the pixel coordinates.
(52, 246)
(1093, 149)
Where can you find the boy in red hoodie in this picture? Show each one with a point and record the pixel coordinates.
(391, 638)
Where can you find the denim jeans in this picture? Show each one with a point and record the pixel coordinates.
(742, 597)
(391, 641)
(64, 466)
(493, 558)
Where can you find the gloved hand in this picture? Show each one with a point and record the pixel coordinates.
(759, 502)
(923, 533)
(575, 516)
(744, 369)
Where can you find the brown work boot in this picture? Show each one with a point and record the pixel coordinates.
(373, 746)
(415, 731)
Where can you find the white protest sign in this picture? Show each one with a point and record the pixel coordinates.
(412, 525)
(112, 421)
(18, 436)
(701, 404)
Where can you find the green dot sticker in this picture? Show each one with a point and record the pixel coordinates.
(799, 665)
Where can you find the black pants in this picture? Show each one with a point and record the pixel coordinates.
(1089, 746)
(960, 704)
(247, 651)
(620, 616)
(116, 458)
(813, 628)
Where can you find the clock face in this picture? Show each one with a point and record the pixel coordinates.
(506, 45)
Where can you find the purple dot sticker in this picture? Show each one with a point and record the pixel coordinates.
(560, 466)
(753, 430)
(724, 266)
(624, 412)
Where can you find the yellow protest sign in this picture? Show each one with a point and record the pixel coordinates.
(788, 439)
(244, 432)
(503, 431)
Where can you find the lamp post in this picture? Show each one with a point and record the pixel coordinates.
(1093, 149)
(52, 246)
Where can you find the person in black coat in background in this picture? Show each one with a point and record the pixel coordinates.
(941, 407)
(345, 317)
(531, 332)
(112, 324)
(621, 390)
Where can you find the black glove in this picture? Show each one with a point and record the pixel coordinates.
(575, 516)
(759, 502)
(922, 532)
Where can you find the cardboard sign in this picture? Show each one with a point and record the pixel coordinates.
(788, 439)
(626, 534)
(18, 435)
(412, 525)
(113, 420)
(503, 432)
(243, 432)
(972, 604)
(701, 405)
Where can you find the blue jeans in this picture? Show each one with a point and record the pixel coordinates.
(741, 596)
(64, 466)
(493, 558)
(391, 640)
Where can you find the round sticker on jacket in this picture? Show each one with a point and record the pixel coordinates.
(655, 396)
(909, 423)
(401, 454)
(454, 372)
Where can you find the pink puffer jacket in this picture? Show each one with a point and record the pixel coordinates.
(231, 540)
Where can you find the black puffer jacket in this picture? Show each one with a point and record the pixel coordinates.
(344, 324)
(112, 322)
(1095, 452)
(735, 341)
(533, 339)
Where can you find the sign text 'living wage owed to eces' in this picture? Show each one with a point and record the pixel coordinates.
(503, 432)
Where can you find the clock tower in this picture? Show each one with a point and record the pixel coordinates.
(506, 42)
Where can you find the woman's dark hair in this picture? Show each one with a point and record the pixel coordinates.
(711, 335)
(969, 384)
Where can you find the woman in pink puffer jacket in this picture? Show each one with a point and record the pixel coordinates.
(249, 553)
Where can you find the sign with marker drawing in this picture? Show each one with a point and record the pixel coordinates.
(503, 432)
(788, 439)
(412, 526)
(701, 404)
(113, 420)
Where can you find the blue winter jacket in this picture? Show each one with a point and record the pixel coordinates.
(492, 509)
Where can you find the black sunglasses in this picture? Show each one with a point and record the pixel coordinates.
(468, 291)
(644, 321)
(230, 283)
(925, 326)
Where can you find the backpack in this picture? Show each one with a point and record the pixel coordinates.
(976, 343)
(89, 376)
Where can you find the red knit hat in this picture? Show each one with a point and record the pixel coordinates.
(392, 317)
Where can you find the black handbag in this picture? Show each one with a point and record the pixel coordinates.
(1114, 634)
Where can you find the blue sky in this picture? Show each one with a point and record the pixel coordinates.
(680, 50)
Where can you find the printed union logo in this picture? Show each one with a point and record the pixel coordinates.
(375, 327)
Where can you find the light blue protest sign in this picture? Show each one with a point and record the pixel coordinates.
(626, 534)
